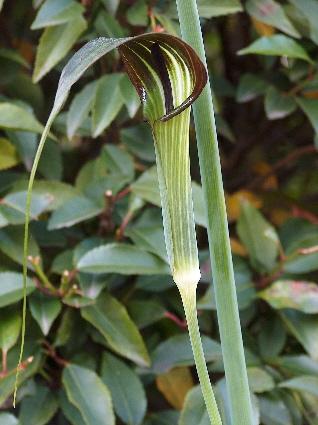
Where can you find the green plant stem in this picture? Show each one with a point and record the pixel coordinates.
(189, 303)
(26, 245)
(220, 250)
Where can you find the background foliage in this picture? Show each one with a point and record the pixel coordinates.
(106, 336)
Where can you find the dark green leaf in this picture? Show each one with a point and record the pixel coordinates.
(7, 383)
(137, 13)
(8, 154)
(300, 295)
(14, 117)
(110, 317)
(11, 288)
(70, 411)
(194, 410)
(103, 113)
(250, 86)
(54, 44)
(168, 417)
(276, 45)
(305, 330)
(271, 13)
(39, 408)
(56, 12)
(272, 337)
(11, 244)
(218, 7)
(274, 411)
(44, 310)
(303, 384)
(176, 351)
(127, 392)
(88, 393)
(146, 312)
(79, 109)
(122, 259)
(74, 211)
(10, 324)
(310, 108)
(278, 105)
(259, 380)
(8, 419)
(309, 9)
(259, 237)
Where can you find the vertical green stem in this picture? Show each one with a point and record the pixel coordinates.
(189, 303)
(26, 244)
(220, 250)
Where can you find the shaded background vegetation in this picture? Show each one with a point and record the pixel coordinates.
(105, 329)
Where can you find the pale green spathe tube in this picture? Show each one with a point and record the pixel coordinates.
(172, 152)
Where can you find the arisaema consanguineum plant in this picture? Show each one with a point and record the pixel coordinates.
(168, 76)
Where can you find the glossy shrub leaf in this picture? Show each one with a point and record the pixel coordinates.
(145, 313)
(54, 44)
(89, 394)
(14, 117)
(218, 8)
(11, 288)
(250, 86)
(298, 364)
(147, 233)
(7, 382)
(276, 45)
(137, 14)
(10, 325)
(70, 411)
(44, 311)
(79, 109)
(272, 338)
(278, 105)
(271, 13)
(11, 244)
(167, 417)
(310, 108)
(258, 236)
(174, 385)
(129, 96)
(147, 188)
(138, 140)
(300, 295)
(40, 203)
(8, 154)
(310, 10)
(126, 389)
(305, 330)
(122, 259)
(259, 380)
(103, 113)
(274, 411)
(39, 408)
(110, 317)
(119, 163)
(176, 351)
(56, 12)
(7, 418)
(194, 410)
(74, 211)
(307, 384)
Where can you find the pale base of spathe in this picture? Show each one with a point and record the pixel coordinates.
(186, 279)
